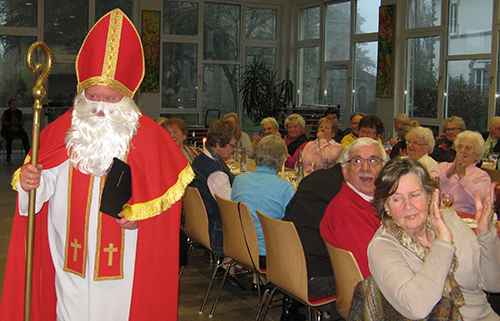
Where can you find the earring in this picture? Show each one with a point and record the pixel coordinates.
(387, 213)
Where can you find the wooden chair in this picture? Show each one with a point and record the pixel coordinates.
(240, 240)
(286, 265)
(495, 177)
(347, 276)
(196, 228)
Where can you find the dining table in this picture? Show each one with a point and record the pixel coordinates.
(469, 218)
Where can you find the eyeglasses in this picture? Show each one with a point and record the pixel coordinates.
(233, 146)
(454, 129)
(410, 142)
(365, 132)
(467, 148)
(359, 161)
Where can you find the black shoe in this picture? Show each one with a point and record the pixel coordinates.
(263, 288)
(231, 279)
(8, 158)
(234, 282)
(291, 310)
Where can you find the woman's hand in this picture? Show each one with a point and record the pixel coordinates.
(29, 177)
(402, 152)
(256, 140)
(484, 209)
(457, 167)
(435, 218)
(126, 223)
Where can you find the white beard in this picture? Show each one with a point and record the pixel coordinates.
(92, 140)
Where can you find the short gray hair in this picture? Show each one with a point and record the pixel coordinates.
(478, 142)
(402, 117)
(360, 143)
(270, 120)
(459, 120)
(424, 133)
(297, 119)
(494, 122)
(271, 152)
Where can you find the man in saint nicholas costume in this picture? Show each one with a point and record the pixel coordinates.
(89, 265)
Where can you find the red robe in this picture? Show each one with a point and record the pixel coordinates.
(160, 173)
(349, 223)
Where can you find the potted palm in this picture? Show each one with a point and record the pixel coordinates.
(261, 94)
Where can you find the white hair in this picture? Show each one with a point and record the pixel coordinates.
(424, 133)
(99, 132)
(478, 139)
(360, 143)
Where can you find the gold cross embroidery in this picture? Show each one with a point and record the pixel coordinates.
(76, 246)
(110, 250)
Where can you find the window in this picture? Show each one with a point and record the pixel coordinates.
(464, 67)
(308, 87)
(261, 24)
(453, 19)
(201, 69)
(337, 31)
(221, 32)
(367, 16)
(462, 94)
(180, 18)
(179, 75)
(16, 81)
(65, 25)
(309, 23)
(474, 34)
(422, 74)
(365, 74)
(16, 14)
(423, 14)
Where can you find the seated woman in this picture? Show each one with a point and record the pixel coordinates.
(421, 254)
(244, 141)
(268, 126)
(263, 189)
(419, 144)
(178, 129)
(324, 148)
(296, 139)
(463, 178)
(398, 121)
(399, 148)
(214, 177)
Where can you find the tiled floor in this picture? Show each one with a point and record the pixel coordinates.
(235, 304)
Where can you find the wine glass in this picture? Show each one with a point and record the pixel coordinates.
(232, 160)
(312, 166)
(494, 158)
(447, 200)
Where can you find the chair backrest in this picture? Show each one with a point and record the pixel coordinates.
(347, 276)
(240, 237)
(285, 259)
(195, 217)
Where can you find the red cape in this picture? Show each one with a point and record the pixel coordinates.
(160, 173)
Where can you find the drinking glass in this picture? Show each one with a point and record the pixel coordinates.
(232, 160)
(447, 200)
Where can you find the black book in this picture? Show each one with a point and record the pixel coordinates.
(117, 189)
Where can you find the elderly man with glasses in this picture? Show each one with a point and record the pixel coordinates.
(349, 222)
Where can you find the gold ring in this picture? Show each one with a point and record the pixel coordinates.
(28, 181)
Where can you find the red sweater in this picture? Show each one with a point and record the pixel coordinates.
(349, 223)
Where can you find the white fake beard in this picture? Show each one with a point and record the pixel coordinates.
(92, 141)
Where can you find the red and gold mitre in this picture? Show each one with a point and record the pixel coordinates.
(111, 55)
